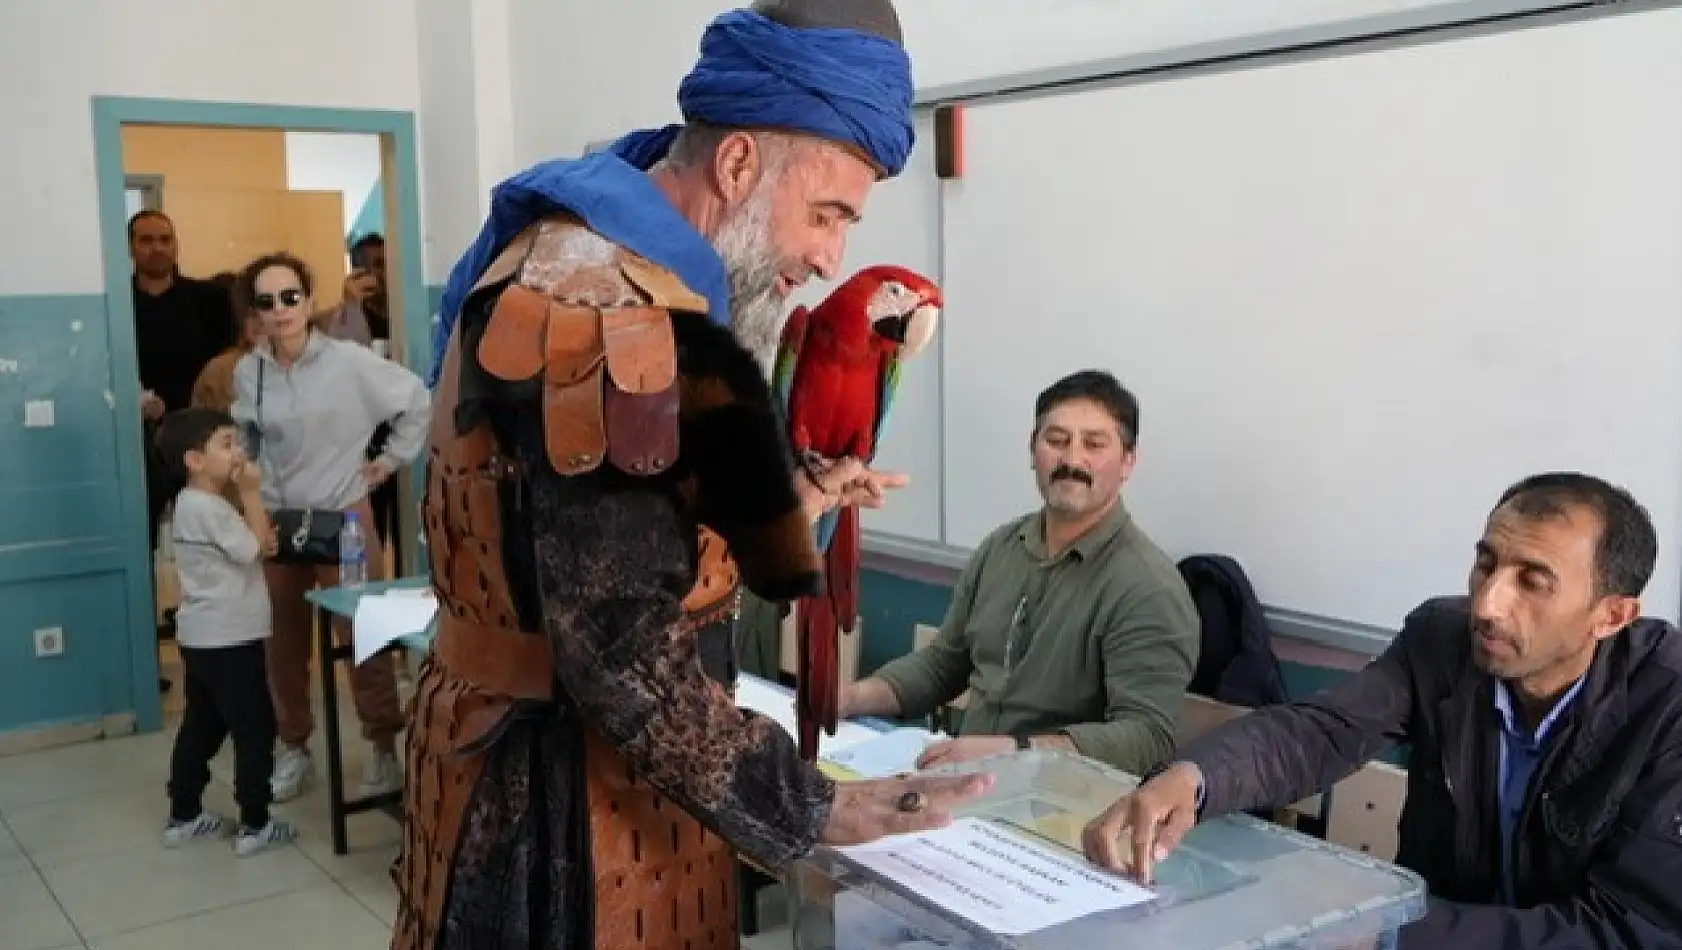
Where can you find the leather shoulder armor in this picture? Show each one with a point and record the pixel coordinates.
(593, 321)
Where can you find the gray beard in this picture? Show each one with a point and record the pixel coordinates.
(744, 244)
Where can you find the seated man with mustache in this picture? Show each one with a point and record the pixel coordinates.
(1069, 627)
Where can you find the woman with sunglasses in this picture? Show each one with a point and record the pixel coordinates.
(311, 402)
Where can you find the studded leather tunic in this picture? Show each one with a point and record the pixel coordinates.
(605, 471)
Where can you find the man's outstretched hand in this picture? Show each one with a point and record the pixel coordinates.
(866, 811)
(1140, 829)
(826, 485)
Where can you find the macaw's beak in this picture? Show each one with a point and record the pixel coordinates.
(919, 330)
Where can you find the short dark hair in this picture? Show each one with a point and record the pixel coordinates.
(188, 430)
(363, 243)
(1100, 387)
(142, 215)
(1628, 544)
(246, 289)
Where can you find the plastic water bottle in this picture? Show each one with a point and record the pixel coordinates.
(353, 553)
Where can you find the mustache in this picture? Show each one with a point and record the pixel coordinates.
(1071, 473)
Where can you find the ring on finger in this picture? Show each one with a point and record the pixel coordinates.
(912, 802)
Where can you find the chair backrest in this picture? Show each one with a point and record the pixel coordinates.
(1365, 809)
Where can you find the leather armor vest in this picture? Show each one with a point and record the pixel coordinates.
(661, 879)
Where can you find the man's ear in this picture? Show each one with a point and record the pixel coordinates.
(1616, 613)
(737, 165)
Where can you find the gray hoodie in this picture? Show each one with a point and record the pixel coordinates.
(317, 418)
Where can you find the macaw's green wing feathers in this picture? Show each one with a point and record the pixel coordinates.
(788, 354)
(885, 398)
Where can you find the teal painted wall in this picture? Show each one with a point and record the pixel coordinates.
(61, 540)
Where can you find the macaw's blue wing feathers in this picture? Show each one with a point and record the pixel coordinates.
(824, 530)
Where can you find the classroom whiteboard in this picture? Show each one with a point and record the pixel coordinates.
(899, 228)
(1357, 297)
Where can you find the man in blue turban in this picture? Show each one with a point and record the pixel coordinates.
(606, 470)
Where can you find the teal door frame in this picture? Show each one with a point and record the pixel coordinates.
(110, 114)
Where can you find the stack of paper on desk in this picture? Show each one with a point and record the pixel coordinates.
(778, 704)
(381, 619)
(884, 756)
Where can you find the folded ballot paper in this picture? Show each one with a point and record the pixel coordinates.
(384, 618)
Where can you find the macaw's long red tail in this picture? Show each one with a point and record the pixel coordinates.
(820, 624)
(841, 571)
(815, 684)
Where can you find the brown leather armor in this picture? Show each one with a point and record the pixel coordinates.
(608, 363)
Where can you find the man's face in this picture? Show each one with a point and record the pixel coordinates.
(153, 247)
(1080, 458)
(373, 258)
(792, 226)
(1536, 601)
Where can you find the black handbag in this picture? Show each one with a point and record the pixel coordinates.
(305, 535)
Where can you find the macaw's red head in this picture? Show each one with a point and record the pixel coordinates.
(903, 306)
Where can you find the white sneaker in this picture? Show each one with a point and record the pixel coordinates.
(292, 770)
(275, 834)
(208, 826)
(382, 773)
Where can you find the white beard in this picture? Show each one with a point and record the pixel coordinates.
(744, 244)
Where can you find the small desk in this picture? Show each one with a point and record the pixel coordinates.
(331, 602)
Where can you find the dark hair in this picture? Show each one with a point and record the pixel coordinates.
(246, 289)
(363, 243)
(142, 215)
(1100, 387)
(1628, 545)
(188, 430)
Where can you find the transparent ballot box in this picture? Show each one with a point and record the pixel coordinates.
(1235, 883)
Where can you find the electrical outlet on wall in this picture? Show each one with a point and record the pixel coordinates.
(49, 641)
(923, 635)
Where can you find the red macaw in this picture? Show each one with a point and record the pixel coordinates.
(835, 374)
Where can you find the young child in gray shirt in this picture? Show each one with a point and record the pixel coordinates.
(221, 626)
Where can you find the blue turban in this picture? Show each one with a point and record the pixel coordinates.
(841, 85)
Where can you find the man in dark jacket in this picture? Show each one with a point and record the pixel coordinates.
(1544, 804)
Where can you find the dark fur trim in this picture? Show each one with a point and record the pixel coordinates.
(738, 463)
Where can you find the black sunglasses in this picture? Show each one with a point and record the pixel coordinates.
(289, 297)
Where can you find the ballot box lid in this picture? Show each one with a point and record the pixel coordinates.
(1235, 883)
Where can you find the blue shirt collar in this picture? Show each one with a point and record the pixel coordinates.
(1508, 708)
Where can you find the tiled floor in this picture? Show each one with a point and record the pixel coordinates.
(82, 863)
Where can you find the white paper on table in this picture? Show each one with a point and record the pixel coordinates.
(884, 756)
(778, 705)
(383, 618)
(992, 876)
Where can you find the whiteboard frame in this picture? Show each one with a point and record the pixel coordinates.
(939, 563)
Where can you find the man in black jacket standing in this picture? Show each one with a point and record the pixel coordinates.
(1544, 802)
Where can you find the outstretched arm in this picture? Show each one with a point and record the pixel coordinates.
(613, 567)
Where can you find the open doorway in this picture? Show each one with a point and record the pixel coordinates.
(236, 182)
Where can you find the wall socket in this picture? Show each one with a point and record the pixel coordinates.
(922, 635)
(49, 641)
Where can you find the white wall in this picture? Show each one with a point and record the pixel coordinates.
(55, 56)
(466, 122)
(569, 91)
(329, 161)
